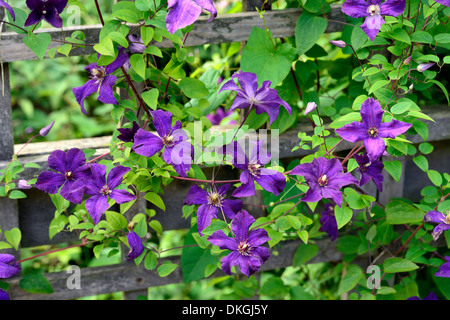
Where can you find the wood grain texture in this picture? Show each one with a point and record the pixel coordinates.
(224, 29)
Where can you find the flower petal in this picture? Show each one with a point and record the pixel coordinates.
(271, 180)
(96, 206)
(146, 143)
(355, 8)
(85, 91)
(219, 239)
(393, 7)
(9, 8)
(241, 223)
(52, 17)
(205, 214)
(136, 246)
(106, 94)
(375, 148)
(393, 128)
(115, 176)
(371, 113)
(122, 196)
(353, 132)
(182, 13)
(50, 182)
(372, 25)
(33, 18)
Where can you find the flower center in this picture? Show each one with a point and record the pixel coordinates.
(68, 175)
(214, 199)
(168, 141)
(373, 132)
(373, 9)
(323, 180)
(105, 190)
(254, 168)
(447, 218)
(244, 248)
(98, 73)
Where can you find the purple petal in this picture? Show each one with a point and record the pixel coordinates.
(332, 194)
(182, 13)
(231, 207)
(434, 216)
(247, 188)
(248, 82)
(73, 191)
(122, 196)
(355, 8)
(58, 4)
(271, 180)
(8, 266)
(305, 170)
(437, 231)
(96, 206)
(136, 246)
(34, 17)
(227, 262)
(162, 121)
(312, 195)
(444, 269)
(259, 153)
(444, 2)
(372, 25)
(196, 196)
(75, 159)
(371, 113)
(208, 6)
(115, 176)
(106, 94)
(393, 128)
(241, 223)
(85, 91)
(375, 148)
(205, 214)
(393, 7)
(50, 182)
(258, 237)
(146, 143)
(9, 8)
(4, 295)
(52, 17)
(353, 132)
(57, 161)
(122, 57)
(219, 239)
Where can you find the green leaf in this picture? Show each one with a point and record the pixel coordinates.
(166, 268)
(156, 200)
(343, 215)
(13, 236)
(351, 278)
(421, 162)
(378, 85)
(195, 260)
(304, 253)
(105, 47)
(17, 194)
(150, 97)
(400, 35)
(435, 177)
(421, 37)
(116, 220)
(442, 38)
(138, 64)
(38, 43)
(394, 168)
(400, 212)
(266, 61)
(308, 30)
(394, 265)
(35, 282)
(156, 225)
(193, 88)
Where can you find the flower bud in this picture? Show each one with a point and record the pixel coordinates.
(424, 66)
(45, 130)
(310, 107)
(338, 43)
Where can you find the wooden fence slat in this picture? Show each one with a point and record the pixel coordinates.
(224, 29)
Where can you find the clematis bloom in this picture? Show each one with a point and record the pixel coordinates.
(245, 246)
(443, 221)
(444, 269)
(253, 170)
(101, 81)
(264, 99)
(370, 171)
(4, 295)
(177, 150)
(371, 131)
(71, 171)
(325, 179)
(183, 13)
(49, 10)
(101, 188)
(8, 266)
(212, 202)
(328, 221)
(127, 134)
(9, 8)
(136, 246)
(374, 11)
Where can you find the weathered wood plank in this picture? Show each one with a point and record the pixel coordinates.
(224, 29)
(129, 277)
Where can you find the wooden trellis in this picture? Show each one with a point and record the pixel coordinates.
(33, 214)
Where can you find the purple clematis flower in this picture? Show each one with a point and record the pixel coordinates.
(430, 296)
(443, 221)
(444, 269)
(183, 13)
(127, 134)
(177, 150)
(253, 170)
(71, 172)
(101, 188)
(101, 81)
(8, 266)
(9, 8)
(245, 246)
(371, 131)
(212, 202)
(49, 10)
(136, 45)
(264, 99)
(325, 179)
(370, 171)
(4, 295)
(136, 246)
(373, 10)
(328, 221)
